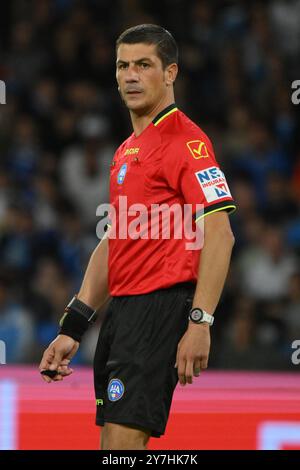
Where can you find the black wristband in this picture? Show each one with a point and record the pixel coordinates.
(77, 318)
(73, 324)
(81, 308)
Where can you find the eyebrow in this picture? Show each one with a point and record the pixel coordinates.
(138, 61)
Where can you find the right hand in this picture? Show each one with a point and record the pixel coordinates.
(58, 356)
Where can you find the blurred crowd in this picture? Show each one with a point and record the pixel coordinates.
(63, 120)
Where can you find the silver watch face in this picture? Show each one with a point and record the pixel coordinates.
(196, 315)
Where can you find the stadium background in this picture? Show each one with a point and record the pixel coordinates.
(59, 128)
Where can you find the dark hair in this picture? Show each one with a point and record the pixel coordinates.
(166, 45)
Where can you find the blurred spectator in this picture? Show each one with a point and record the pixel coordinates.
(240, 348)
(84, 170)
(16, 326)
(17, 240)
(266, 266)
(261, 157)
(293, 231)
(284, 17)
(23, 154)
(49, 294)
(292, 308)
(74, 245)
(237, 136)
(26, 59)
(5, 194)
(279, 206)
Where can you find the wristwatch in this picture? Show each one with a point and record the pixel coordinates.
(197, 315)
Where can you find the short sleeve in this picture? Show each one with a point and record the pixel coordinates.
(191, 169)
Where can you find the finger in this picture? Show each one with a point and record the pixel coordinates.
(65, 371)
(181, 371)
(197, 368)
(63, 368)
(204, 362)
(189, 369)
(177, 358)
(46, 359)
(58, 378)
(177, 355)
(65, 362)
(46, 379)
(56, 361)
(45, 363)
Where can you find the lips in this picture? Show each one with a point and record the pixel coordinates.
(133, 92)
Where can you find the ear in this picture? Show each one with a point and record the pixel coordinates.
(171, 74)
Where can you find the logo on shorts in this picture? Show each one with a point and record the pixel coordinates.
(115, 390)
(122, 173)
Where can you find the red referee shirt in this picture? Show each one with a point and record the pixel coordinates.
(171, 162)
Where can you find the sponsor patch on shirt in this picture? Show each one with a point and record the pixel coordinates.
(115, 390)
(132, 151)
(198, 149)
(213, 184)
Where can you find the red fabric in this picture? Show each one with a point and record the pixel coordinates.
(161, 167)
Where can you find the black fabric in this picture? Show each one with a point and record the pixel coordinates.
(138, 345)
(74, 325)
(225, 205)
(163, 112)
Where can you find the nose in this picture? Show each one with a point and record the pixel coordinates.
(132, 75)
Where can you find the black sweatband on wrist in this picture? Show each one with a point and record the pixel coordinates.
(77, 318)
(73, 324)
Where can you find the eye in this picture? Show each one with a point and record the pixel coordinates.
(144, 65)
(122, 66)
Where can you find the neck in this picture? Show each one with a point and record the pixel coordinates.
(141, 121)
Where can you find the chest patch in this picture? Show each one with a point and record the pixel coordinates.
(122, 174)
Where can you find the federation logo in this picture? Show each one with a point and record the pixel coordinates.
(115, 390)
(213, 184)
(198, 149)
(122, 173)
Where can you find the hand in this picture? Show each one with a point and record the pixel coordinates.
(192, 352)
(57, 357)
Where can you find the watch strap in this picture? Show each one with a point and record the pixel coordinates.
(204, 317)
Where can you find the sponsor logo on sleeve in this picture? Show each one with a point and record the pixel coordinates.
(213, 184)
(198, 149)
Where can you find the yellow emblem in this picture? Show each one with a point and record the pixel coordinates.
(198, 149)
(131, 151)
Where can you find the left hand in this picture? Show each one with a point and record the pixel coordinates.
(192, 352)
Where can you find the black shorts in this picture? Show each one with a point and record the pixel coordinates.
(134, 362)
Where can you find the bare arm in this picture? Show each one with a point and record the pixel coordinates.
(93, 292)
(193, 348)
(94, 288)
(214, 263)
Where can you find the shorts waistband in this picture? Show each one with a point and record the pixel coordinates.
(180, 286)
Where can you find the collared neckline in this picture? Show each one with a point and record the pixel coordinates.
(164, 113)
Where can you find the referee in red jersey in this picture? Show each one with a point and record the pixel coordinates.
(163, 294)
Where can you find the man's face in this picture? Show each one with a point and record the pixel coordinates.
(140, 76)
